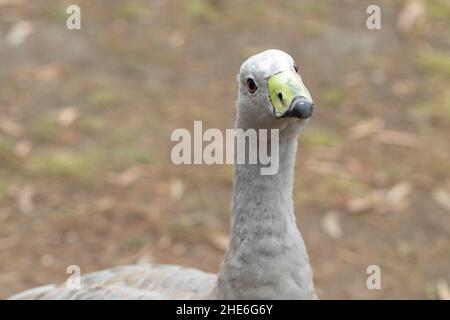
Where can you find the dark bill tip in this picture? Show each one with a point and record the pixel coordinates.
(300, 107)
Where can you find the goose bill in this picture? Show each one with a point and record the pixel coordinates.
(289, 96)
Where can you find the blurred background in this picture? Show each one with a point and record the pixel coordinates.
(86, 117)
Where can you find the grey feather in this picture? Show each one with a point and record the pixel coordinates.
(151, 281)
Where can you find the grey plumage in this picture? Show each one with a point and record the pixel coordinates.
(137, 282)
(266, 259)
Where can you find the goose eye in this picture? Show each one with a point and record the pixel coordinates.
(295, 68)
(251, 85)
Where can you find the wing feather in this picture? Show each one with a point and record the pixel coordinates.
(135, 282)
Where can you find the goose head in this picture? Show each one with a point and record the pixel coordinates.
(271, 92)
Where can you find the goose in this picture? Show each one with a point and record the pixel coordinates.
(266, 257)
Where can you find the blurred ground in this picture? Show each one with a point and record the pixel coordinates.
(86, 118)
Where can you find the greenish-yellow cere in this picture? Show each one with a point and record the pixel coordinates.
(283, 88)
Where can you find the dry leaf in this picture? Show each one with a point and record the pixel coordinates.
(176, 189)
(402, 139)
(324, 167)
(404, 88)
(127, 178)
(443, 291)
(348, 255)
(442, 198)
(105, 204)
(164, 243)
(47, 72)
(18, 33)
(366, 128)
(67, 116)
(382, 201)
(397, 196)
(353, 79)
(367, 203)
(10, 127)
(331, 225)
(25, 200)
(23, 148)
(177, 39)
(218, 240)
(412, 15)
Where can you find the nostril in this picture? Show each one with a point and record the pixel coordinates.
(280, 96)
